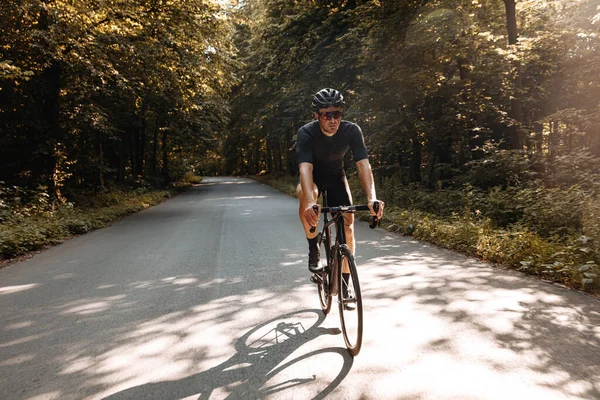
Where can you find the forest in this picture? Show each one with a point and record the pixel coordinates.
(482, 117)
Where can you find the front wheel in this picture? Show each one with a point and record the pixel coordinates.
(350, 303)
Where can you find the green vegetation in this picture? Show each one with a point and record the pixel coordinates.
(36, 223)
(112, 93)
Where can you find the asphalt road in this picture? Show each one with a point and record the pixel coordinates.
(208, 296)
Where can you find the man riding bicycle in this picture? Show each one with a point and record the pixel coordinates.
(321, 146)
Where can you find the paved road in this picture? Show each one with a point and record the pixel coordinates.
(207, 296)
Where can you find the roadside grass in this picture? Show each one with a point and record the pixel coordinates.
(567, 261)
(26, 229)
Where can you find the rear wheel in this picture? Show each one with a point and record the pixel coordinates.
(324, 279)
(350, 303)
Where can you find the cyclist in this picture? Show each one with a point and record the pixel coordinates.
(321, 146)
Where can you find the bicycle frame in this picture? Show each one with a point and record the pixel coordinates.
(337, 219)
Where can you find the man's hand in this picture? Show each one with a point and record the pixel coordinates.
(311, 217)
(379, 212)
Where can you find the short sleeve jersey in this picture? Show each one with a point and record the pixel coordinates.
(326, 153)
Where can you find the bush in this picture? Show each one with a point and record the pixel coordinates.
(501, 168)
(578, 169)
(192, 178)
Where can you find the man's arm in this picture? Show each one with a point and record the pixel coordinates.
(307, 185)
(365, 173)
(306, 181)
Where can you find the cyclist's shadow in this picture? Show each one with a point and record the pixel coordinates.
(259, 352)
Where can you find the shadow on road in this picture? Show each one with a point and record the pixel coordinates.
(259, 354)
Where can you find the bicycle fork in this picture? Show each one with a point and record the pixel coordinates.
(334, 271)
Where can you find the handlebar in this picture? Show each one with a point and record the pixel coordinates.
(343, 209)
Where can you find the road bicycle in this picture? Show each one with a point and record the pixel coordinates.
(334, 254)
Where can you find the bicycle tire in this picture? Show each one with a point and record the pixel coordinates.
(325, 279)
(352, 320)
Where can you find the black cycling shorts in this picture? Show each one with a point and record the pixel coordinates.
(338, 191)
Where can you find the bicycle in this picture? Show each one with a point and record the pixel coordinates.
(331, 278)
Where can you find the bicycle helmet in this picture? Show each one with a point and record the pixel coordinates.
(326, 98)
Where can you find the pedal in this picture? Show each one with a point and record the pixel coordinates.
(315, 278)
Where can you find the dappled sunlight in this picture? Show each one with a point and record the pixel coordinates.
(23, 340)
(17, 360)
(47, 396)
(293, 259)
(17, 288)
(96, 305)
(289, 263)
(66, 276)
(20, 325)
(209, 181)
(106, 286)
(181, 281)
(492, 326)
(235, 198)
(89, 308)
(189, 350)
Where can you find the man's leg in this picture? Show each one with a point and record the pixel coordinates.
(347, 290)
(349, 229)
(346, 199)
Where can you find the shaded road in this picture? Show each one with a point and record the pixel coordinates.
(207, 296)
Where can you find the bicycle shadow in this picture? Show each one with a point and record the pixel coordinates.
(260, 351)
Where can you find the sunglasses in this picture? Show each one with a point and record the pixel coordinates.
(331, 115)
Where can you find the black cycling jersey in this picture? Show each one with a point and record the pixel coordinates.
(326, 153)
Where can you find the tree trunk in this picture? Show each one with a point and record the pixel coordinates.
(516, 108)
(270, 155)
(155, 148)
(538, 129)
(291, 152)
(122, 159)
(141, 150)
(279, 155)
(132, 139)
(51, 81)
(51, 78)
(553, 141)
(101, 166)
(165, 156)
(415, 167)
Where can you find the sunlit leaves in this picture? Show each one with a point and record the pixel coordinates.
(125, 68)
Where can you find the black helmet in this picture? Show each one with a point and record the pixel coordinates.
(326, 98)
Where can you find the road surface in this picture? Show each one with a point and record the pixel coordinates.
(207, 296)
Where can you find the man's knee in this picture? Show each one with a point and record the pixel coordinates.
(349, 222)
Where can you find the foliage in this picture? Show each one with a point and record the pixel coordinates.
(96, 93)
(432, 83)
(190, 177)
